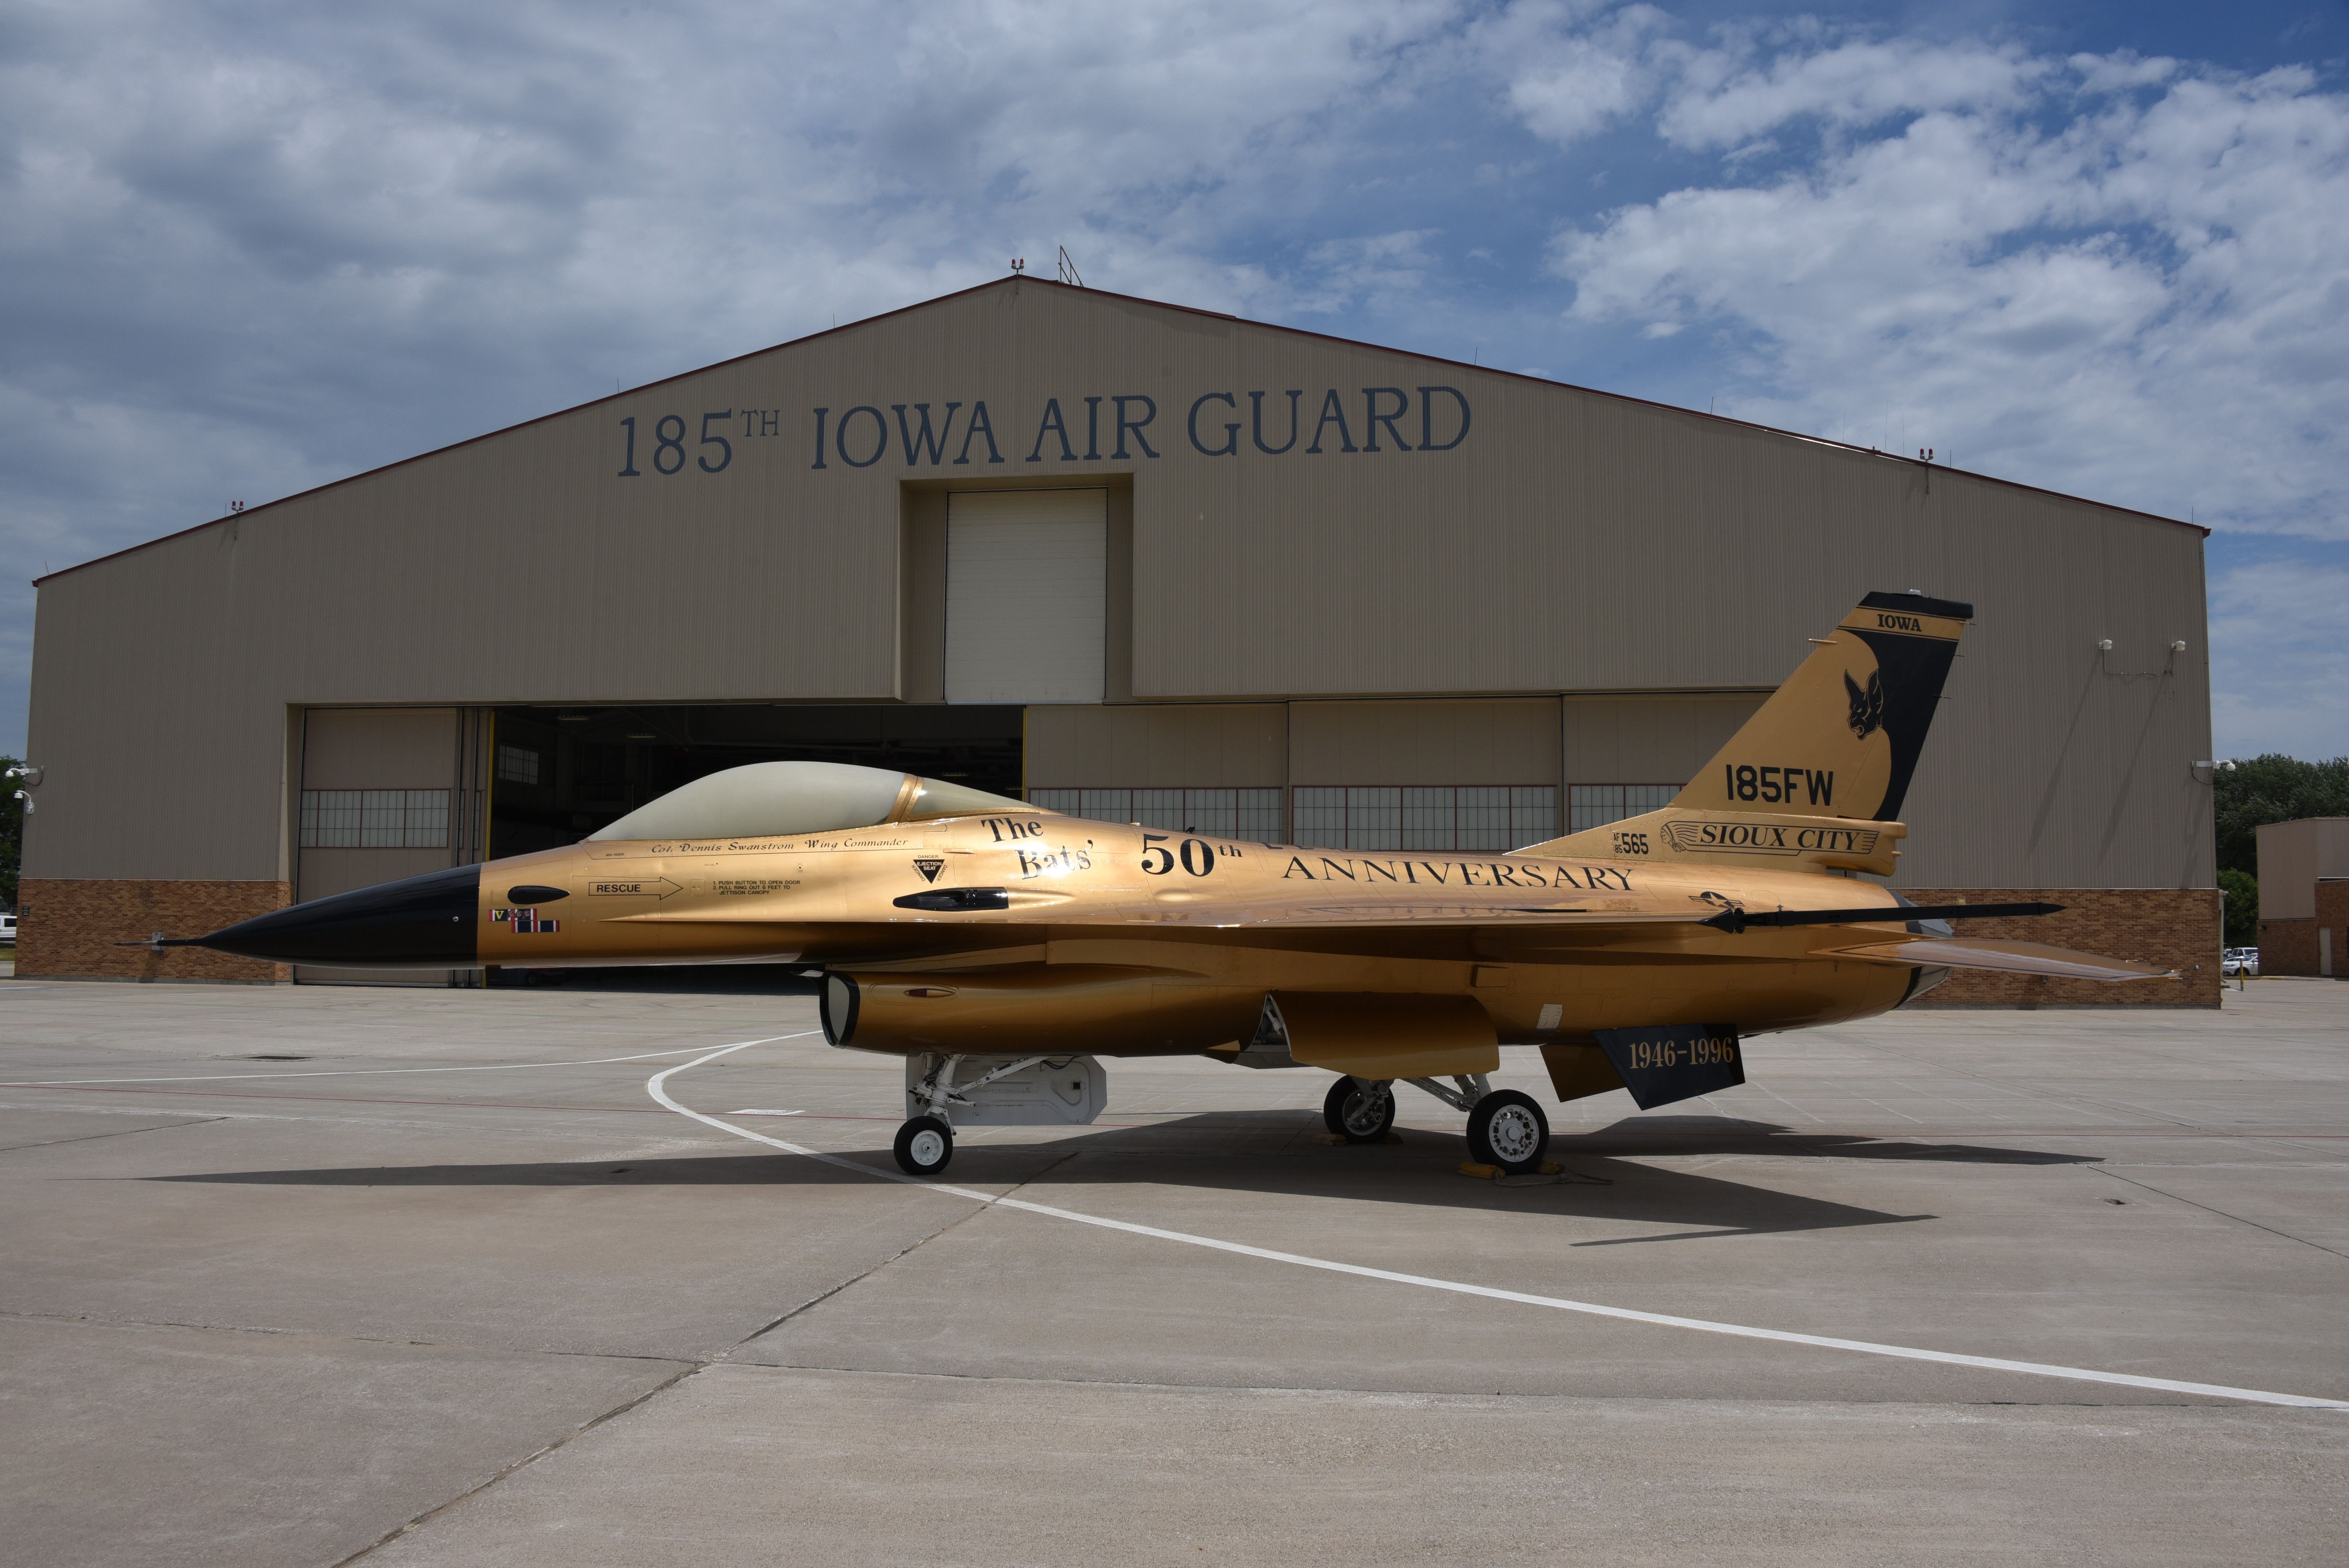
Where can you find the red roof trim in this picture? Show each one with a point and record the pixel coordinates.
(1130, 299)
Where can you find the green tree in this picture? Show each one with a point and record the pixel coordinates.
(12, 835)
(2271, 789)
(2242, 891)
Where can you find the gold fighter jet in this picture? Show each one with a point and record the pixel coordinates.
(1000, 948)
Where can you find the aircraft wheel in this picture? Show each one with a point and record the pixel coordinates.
(1355, 1113)
(924, 1146)
(1508, 1130)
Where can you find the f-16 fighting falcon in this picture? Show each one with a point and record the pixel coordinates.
(1001, 949)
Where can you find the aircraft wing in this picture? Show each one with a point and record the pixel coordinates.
(2004, 957)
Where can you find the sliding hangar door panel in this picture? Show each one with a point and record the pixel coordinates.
(386, 792)
(1027, 595)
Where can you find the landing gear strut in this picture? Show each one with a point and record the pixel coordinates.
(1360, 1110)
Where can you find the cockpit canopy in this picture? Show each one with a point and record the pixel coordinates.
(771, 800)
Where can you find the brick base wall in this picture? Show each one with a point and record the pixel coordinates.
(67, 928)
(2173, 928)
(2289, 946)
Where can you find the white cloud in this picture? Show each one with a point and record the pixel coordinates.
(2136, 295)
(1725, 95)
(1570, 75)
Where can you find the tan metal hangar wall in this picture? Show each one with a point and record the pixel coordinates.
(1291, 517)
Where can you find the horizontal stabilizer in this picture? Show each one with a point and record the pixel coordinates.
(2006, 958)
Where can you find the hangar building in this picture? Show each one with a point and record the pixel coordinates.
(2305, 897)
(1132, 561)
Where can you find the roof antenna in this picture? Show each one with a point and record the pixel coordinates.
(1019, 265)
(1068, 270)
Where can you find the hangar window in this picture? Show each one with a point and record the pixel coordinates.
(374, 818)
(1596, 805)
(1497, 817)
(1225, 813)
(516, 764)
(1027, 595)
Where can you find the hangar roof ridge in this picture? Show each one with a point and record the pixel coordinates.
(1016, 279)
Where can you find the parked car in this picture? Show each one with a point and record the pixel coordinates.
(2240, 961)
(8, 931)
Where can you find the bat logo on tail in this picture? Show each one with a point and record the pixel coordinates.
(1867, 707)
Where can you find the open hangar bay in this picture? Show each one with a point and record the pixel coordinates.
(302, 1275)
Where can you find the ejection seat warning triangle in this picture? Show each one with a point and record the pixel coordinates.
(1674, 1061)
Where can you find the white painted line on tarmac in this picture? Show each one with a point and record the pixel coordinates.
(653, 1085)
(379, 1072)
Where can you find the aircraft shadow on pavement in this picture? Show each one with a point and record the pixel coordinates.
(1275, 1153)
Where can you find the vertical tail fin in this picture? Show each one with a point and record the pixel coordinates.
(1841, 738)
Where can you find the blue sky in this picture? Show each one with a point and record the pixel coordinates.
(252, 247)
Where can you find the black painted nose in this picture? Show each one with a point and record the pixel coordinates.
(427, 921)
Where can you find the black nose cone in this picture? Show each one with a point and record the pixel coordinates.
(430, 921)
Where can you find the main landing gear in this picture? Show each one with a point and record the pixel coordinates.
(1508, 1130)
(1359, 1111)
(1504, 1127)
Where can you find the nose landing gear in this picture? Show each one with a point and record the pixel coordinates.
(924, 1146)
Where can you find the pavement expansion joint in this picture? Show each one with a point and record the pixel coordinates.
(465, 1347)
(686, 1369)
(119, 1132)
(2221, 1213)
(1480, 1396)
(427, 1515)
(94, 1321)
(819, 1299)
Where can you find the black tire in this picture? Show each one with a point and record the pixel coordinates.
(1508, 1130)
(1347, 1111)
(924, 1146)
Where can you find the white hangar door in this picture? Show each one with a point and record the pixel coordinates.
(1026, 595)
